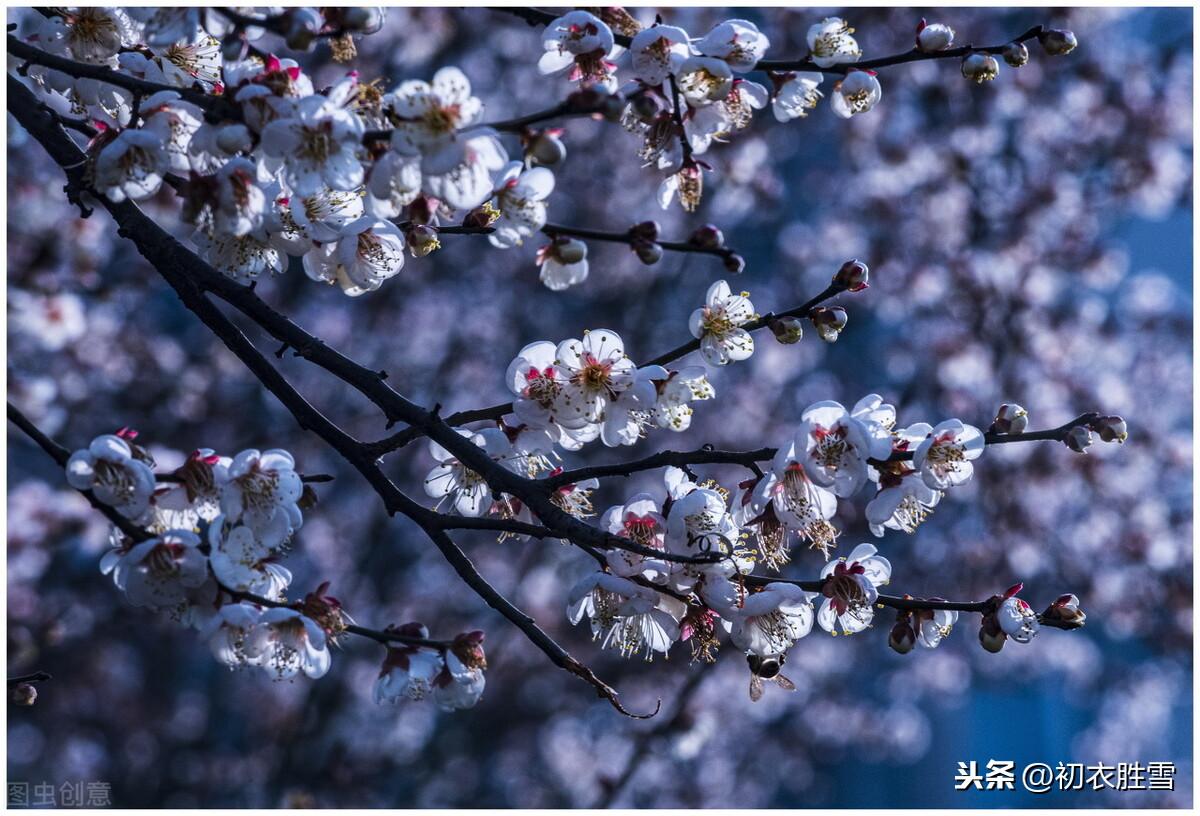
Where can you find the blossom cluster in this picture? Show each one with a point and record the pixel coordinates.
(216, 529)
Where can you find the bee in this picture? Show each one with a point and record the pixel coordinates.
(767, 668)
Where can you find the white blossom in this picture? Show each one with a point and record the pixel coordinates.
(718, 325)
(286, 642)
(115, 476)
(738, 42)
(830, 43)
(857, 93)
(770, 622)
(850, 590)
(944, 456)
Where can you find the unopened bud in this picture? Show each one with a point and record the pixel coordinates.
(1057, 42)
(646, 107)
(648, 252)
(613, 107)
(546, 149)
(422, 210)
(829, 322)
(902, 638)
(569, 250)
(1111, 429)
(707, 237)
(787, 330)
(359, 18)
(468, 647)
(991, 636)
(734, 263)
(935, 37)
(646, 231)
(422, 240)
(1011, 419)
(852, 276)
(24, 694)
(1078, 439)
(1064, 613)
(980, 67)
(1015, 54)
(302, 27)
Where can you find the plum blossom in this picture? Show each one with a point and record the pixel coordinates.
(408, 671)
(243, 258)
(461, 681)
(227, 631)
(466, 491)
(564, 263)
(286, 642)
(795, 94)
(934, 36)
(242, 562)
(632, 618)
(835, 446)
(770, 622)
(830, 43)
(261, 490)
(159, 572)
(95, 34)
(520, 197)
(627, 415)
(904, 499)
(597, 370)
(944, 456)
(115, 475)
(1017, 619)
(369, 251)
(429, 117)
(718, 325)
(673, 410)
(131, 165)
(738, 42)
(175, 122)
(857, 93)
(796, 501)
(640, 520)
(658, 51)
(733, 113)
(579, 45)
(317, 145)
(704, 80)
(241, 205)
(933, 625)
(980, 67)
(850, 589)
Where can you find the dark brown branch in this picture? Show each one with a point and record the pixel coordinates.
(35, 677)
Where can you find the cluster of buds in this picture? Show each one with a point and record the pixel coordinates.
(1108, 428)
(852, 276)
(1010, 419)
(829, 322)
(643, 240)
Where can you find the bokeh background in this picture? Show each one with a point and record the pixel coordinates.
(1029, 240)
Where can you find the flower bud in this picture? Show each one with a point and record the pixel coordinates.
(1078, 439)
(1057, 42)
(23, 694)
(734, 264)
(546, 149)
(936, 37)
(902, 638)
(1015, 54)
(468, 647)
(829, 322)
(302, 27)
(1064, 613)
(360, 18)
(1010, 419)
(644, 231)
(852, 276)
(980, 67)
(422, 240)
(707, 237)
(787, 330)
(648, 252)
(991, 636)
(569, 250)
(646, 107)
(1111, 429)
(613, 108)
(422, 210)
